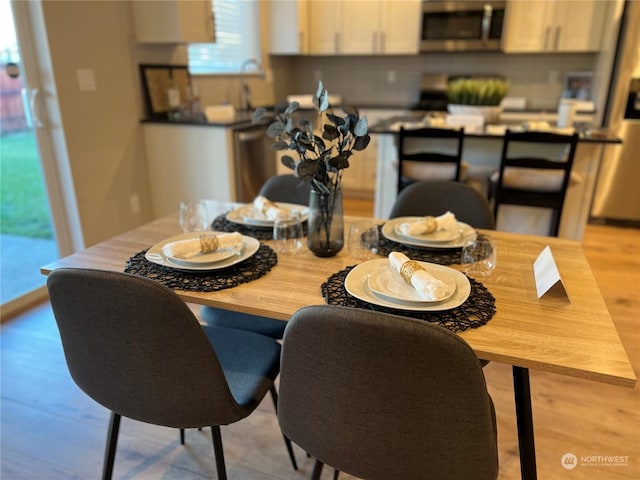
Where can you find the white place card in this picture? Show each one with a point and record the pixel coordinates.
(547, 275)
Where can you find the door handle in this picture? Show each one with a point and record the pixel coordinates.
(34, 103)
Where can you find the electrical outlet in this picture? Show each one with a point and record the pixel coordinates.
(391, 76)
(317, 75)
(553, 77)
(134, 202)
(86, 80)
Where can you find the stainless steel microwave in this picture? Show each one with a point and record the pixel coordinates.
(461, 26)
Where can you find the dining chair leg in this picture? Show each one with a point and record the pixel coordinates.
(287, 442)
(219, 452)
(317, 470)
(336, 474)
(182, 436)
(112, 443)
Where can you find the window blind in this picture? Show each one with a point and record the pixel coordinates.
(237, 39)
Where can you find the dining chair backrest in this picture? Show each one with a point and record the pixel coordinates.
(529, 176)
(380, 396)
(435, 198)
(286, 188)
(135, 347)
(429, 154)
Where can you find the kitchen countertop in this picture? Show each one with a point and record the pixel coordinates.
(239, 120)
(392, 126)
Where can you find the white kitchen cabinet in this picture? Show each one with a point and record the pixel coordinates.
(289, 27)
(364, 27)
(558, 26)
(188, 162)
(325, 24)
(173, 21)
(400, 27)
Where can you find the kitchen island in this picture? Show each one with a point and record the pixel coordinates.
(482, 151)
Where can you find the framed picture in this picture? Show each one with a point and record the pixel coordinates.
(155, 85)
(577, 85)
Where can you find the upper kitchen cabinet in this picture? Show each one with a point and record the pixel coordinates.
(364, 27)
(289, 27)
(173, 21)
(559, 26)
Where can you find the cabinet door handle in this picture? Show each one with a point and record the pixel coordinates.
(556, 41)
(301, 46)
(383, 42)
(374, 42)
(250, 136)
(547, 31)
(336, 42)
(486, 22)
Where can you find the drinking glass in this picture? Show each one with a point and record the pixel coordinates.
(479, 256)
(363, 241)
(287, 234)
(193, 216)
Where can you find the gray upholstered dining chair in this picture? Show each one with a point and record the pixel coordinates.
(279, 188)
(436, 197)
(133, 346)
(380, 396)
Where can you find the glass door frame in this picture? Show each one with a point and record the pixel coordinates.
(39, 82)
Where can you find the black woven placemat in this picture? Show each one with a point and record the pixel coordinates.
(477, 310)
(254, 267)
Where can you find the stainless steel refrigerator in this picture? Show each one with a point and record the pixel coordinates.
(617, 195)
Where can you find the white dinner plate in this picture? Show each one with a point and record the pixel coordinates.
(248, 215)
(467, 233)
(356, 283)
(155, 254)
(386, 282)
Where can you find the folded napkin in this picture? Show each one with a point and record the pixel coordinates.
(194, 246)
(269, 209)
(427, 286)
(446, 221)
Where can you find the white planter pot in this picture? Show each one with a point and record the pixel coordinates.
(490, 114)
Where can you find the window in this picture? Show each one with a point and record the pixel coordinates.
(237, 39)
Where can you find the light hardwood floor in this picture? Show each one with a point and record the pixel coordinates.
(52, 430)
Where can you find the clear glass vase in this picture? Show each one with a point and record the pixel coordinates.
(325, 237)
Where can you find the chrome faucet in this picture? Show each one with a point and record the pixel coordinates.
(245, 93)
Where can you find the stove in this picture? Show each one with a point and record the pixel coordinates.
(433, 92)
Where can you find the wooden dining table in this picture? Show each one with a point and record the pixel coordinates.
(570, 334)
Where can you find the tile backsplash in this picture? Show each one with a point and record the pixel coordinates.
(395, 80)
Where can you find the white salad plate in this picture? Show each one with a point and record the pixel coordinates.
(248, 247)
(248, 215)
(465, 233)
(357, 284)
(386, 282)
(208, 258)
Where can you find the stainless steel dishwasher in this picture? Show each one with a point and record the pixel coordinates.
(255, 161)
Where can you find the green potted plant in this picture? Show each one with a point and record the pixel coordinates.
(477, 96)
